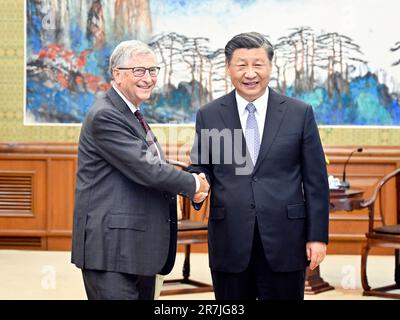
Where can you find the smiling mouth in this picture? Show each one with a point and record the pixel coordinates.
(251, 84)
(145, 87)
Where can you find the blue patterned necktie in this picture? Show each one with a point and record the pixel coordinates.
(252, 134)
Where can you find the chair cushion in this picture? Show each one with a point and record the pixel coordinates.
(393, 229)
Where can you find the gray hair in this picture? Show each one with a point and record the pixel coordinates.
(124, 51)
(248, 40)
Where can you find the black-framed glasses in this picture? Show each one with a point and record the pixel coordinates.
(141, 71)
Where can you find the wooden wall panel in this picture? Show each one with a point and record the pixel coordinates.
(36, 219)
(53, 167)
(53, 184)
(60, 219)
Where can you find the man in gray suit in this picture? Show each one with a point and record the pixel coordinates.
(124, 230)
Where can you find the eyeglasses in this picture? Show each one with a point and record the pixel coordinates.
(141, 71)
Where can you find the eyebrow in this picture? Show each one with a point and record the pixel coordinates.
(244, 60)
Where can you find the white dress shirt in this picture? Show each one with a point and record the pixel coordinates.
(261, 105)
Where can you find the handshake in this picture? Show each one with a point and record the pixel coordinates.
(202, 193)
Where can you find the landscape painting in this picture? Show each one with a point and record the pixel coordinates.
(343, 57)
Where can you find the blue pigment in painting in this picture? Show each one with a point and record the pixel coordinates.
(67, 68)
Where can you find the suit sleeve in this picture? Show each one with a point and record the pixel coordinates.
(117, 143)
(315, 181)
(200, 155)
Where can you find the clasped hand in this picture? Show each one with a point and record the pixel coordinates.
(202, 193)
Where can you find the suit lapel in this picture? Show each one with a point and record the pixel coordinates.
(229, 112)
(120, 104)
(275, 112)
(230, 116)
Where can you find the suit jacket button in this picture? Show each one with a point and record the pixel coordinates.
(252, 206)
(255, 179)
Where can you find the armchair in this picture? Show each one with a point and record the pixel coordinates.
(387, 236)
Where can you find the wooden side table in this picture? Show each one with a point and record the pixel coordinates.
(340, 200)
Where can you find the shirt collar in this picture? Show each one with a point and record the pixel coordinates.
(260, 103)
(130, 104)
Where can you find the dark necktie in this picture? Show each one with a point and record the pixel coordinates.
(150, 137)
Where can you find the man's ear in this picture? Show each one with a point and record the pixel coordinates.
(228, 73)
(117, 75)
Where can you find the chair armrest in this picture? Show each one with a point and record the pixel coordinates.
(370, 201)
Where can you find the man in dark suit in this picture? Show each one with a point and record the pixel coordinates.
(124, 230)
(262, 155)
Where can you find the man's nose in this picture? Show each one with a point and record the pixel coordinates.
(147, 75)
(250, 72)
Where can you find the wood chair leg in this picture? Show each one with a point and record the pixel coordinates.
(364, 256)
(186, 264)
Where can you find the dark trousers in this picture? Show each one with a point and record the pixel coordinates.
(258, 281)
(105, 285)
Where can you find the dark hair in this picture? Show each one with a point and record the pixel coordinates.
(248, 40)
